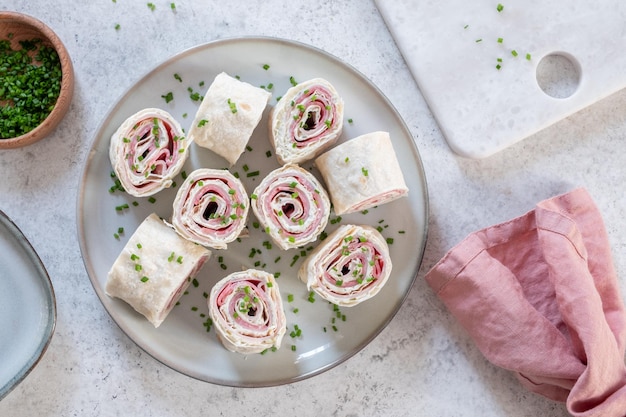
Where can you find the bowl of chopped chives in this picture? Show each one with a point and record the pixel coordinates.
(36, 80)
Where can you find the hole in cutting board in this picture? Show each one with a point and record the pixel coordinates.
(558, 75)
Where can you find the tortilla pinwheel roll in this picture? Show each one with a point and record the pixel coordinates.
(350, 266)
(247, 311)
(227, 116)
(361, 173)
(154, 268)
(147, 151)
(305, 121)
(292, 206)
(210, 208)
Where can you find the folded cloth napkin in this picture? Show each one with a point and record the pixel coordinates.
(539, 296)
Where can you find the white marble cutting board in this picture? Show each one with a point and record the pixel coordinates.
(452, 49)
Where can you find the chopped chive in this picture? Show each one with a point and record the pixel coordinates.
(233, 106)
(168, 97)
(144, 279)
(266, 67)
(499, 7)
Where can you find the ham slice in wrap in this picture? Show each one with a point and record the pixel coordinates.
(154, 268)
(247, 311)
(227, 116)
(350, 266)
(291, 205)
(305, 121)
(362, 173)
(210, 208)
(147, 151)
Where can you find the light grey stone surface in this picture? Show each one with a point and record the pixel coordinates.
(423, 363)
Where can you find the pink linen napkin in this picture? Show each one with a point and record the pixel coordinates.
(539, 296)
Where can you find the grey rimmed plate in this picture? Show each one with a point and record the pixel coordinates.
(328, 338)
(27, 307)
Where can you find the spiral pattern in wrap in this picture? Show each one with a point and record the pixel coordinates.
(247, 311)
(350, 266)
(147, 151)
(292, 206)
(210, 208)
(305, 121)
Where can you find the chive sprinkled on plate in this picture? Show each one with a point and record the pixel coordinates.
(168, 97)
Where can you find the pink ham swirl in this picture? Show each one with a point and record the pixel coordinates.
(247, 311)
(147, 151)
(210, 208)
(314, 115)
(350, 266)
(308, 119)
(292, 206)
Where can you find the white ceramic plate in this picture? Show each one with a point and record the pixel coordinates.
(182, 341)
(27, 307)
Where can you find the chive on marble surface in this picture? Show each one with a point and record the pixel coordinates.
(481, 65)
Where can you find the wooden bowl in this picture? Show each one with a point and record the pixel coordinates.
(20, 27)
